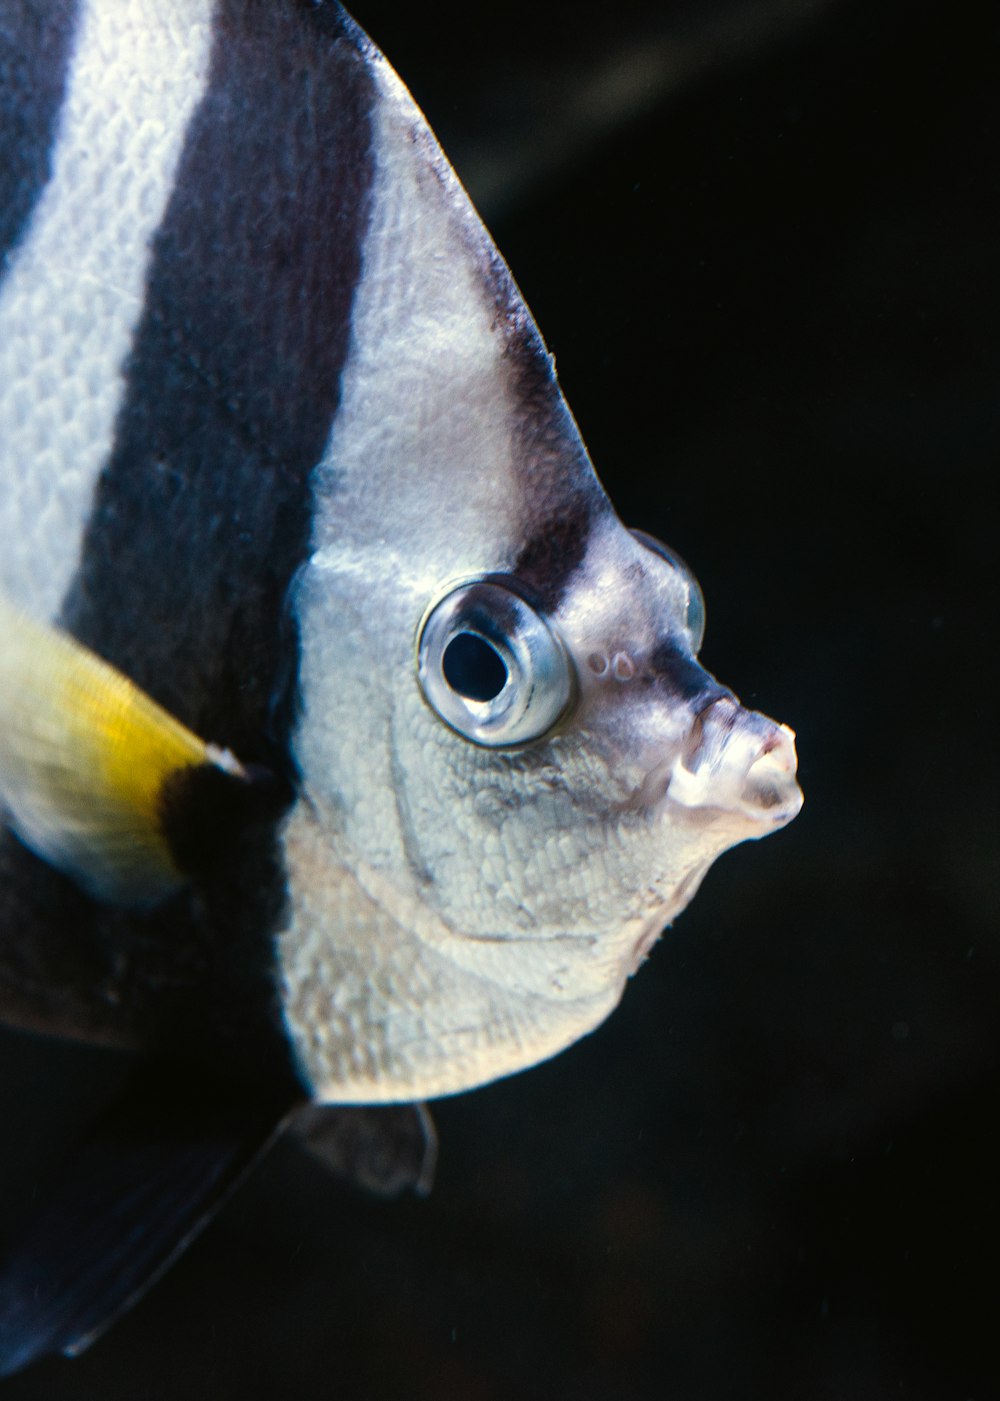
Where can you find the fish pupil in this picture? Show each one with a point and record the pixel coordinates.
(473, 667)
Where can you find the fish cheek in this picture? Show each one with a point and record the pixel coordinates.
(511, 844)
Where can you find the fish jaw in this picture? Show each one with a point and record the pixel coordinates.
(734, 781)
(738, 768)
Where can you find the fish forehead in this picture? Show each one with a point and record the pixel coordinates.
(453, 454)
(454, 451)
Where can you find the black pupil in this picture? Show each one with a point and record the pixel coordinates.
(473, 668)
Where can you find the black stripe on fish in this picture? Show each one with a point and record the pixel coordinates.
(555, 552)
(35, 48)
(203, 513)
(190, 979)
(684, 676)
(562, 497)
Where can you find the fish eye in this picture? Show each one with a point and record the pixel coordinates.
(694, 619)
(492, 667)
(473, 667)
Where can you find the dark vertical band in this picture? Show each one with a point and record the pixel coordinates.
(203, 512)
(36, 40)
(559, 496)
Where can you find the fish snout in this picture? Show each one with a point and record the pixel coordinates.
(740, 762)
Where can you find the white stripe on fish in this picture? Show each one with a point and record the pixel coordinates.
(73, 293)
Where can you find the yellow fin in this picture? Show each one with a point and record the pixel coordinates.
(84, 755)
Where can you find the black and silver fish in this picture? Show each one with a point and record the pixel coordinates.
(352, 751)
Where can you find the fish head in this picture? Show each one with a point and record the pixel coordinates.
(513, 770)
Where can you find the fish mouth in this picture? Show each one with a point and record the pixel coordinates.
(738, 762)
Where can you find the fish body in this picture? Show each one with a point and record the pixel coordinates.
(281, 446)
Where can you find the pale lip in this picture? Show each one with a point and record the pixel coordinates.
(740, 762)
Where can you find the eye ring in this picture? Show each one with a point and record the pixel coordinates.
(694, 614)
(492, 667)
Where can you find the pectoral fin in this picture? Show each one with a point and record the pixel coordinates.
(85, 759)
(386, 1149)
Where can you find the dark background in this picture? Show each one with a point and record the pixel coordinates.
(761, 240)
